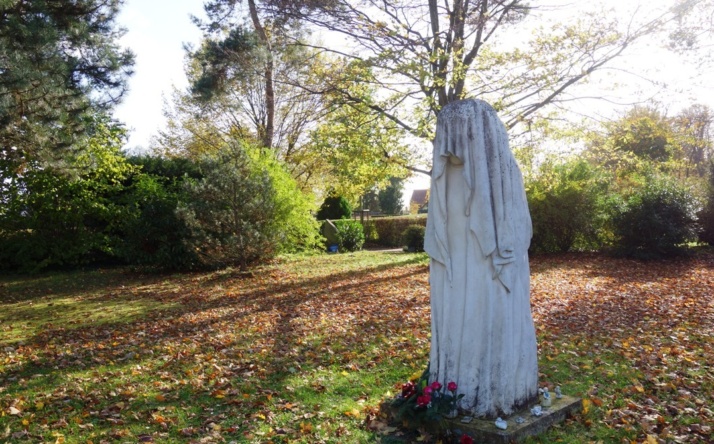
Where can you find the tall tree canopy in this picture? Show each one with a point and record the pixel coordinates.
(694, 125)
(403, 60)
(254, 77)
(425, 54)
(247, 53)
(59, 62)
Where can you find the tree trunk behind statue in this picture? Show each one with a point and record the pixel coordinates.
(478, 233)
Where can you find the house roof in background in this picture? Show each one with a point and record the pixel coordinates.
(420, 197)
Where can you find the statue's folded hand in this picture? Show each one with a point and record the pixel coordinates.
(499, 262)
(505, 254)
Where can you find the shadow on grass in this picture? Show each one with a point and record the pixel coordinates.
(19, 288)
(226, 333)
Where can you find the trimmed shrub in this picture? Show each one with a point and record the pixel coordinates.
(656, 221)
(350, 235)
(389, 230)
(413, 238)
(334, 207)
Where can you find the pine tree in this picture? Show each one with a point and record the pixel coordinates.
(59, 63)
(390, 198)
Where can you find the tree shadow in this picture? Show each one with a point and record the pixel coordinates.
(252, 332)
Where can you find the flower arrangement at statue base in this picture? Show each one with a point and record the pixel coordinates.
(424, 406)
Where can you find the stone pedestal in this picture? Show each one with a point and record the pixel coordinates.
(485, 431)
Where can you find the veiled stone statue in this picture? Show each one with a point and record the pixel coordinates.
(477, 235)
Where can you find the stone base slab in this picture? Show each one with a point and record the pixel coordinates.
(485, 431)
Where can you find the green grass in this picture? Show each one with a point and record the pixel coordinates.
(304, 350)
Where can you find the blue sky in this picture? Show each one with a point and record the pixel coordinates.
(157, 30)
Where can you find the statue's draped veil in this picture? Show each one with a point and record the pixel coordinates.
(471, 131)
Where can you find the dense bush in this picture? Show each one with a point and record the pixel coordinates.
(387, 231)
(52, 218)
(170, 171)
(655, 221)
(350, 235)
(244, 210)
(57, 221)
(235, 208)
(706, 220)
(334, 207)
(293, 224)
(169, 226)
(567, 206)
(413, 238)
(155, 234)
(706, 215)
(229, 212)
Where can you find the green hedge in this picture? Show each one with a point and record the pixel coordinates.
(387, 231)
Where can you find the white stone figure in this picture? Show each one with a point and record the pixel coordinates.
(558, 393)
(537, 410)
(477, 235)
(547, 402)
(501, 423)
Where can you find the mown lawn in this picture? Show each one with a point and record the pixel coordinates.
(304, 350)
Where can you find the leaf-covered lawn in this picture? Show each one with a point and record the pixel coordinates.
(304, 350)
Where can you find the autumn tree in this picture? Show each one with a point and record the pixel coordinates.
(201, 125)
(361, 150)
(695, 138)
(248, 55)
(325, 142)
(427, 53)
(243, 86)
(646, 138)
(59, 62)
(644, 132)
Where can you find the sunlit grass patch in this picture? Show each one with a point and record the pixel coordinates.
(22, 320)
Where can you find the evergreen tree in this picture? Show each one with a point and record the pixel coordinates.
(334, 207)
(390, 198)
(59, 61)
